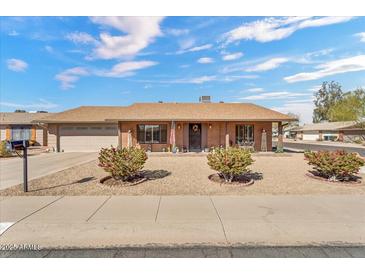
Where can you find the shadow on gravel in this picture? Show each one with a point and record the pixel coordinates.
(155, 174)
(81, 181)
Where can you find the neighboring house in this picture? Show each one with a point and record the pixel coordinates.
(20, 126)
(160, 126)
(334, 131)
(287, 131)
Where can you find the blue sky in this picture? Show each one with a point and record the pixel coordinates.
(57, 63)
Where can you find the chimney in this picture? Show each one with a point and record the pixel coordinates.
(204, 99)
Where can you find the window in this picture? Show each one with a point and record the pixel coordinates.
(152, 134)
(244, 133)
(67, 128)
(21, 133)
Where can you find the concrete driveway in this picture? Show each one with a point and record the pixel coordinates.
(312, 145)
(117, 221)
(11, 170)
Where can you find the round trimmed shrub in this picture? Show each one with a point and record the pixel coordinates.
(230, 162)
(3, 149)
(122, 163)
(334, 165)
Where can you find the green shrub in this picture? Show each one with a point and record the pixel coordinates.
(122, 163)
(230, 162)
(3, 151)
(335, 165)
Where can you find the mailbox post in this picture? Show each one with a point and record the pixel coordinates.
(22, 145)
(25, 168)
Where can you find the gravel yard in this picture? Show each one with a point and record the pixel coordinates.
(188, 175)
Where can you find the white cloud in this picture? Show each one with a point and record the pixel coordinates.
(200, 80)
(16, 65)
(274, 95)
(194, 49)
(205, 60)
(124, 69)
(268, 65)
(193, 80)
(255, 90)
(49, 49)
(233, 78)
(140, 32)
(80, 38)
(303, 109)
(232, 56)
(315, 88)
(199, 48)
(13, 33)
(186, 43)
(356, 63)
(273, 28)
(176, 32)
(307, 58)
(361, 35)
(41, 105)
(69, 76)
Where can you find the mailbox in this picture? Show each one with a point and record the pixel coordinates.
(19, 145)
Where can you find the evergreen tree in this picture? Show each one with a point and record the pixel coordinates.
(327, 96)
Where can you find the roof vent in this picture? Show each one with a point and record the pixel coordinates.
(204, 99)
(221, 102)
(160, 102)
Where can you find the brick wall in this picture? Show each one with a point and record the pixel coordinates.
(214, 134)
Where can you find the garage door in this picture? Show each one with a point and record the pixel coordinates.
(87, 138)
(310, 136)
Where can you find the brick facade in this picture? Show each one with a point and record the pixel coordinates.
(213, 134)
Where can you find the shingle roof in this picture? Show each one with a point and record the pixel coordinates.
(21, 118)
(330, 126)
(83, 114)
(170, 111)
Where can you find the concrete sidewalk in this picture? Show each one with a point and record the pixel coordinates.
(117, 221)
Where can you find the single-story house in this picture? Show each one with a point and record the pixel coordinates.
(160, 126)
(21, 126)
(330, 131)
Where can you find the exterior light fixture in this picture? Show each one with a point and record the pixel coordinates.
(210, 126)
(178, 126)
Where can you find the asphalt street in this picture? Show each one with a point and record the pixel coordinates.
(303, 146)
(197, 252)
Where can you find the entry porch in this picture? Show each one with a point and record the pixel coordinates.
(195, 136)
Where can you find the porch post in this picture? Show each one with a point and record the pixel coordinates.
(173, 136)
(280, 145)
(119, 134)
(227, 136)
(341, 136)
(58, 139)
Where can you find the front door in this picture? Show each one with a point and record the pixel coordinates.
(195, 140)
